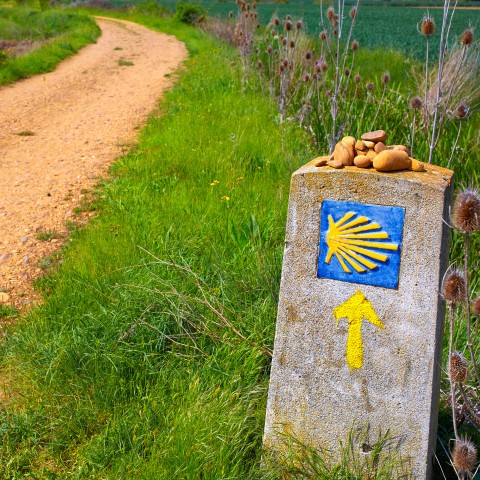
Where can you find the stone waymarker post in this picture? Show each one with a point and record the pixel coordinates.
(360, 321)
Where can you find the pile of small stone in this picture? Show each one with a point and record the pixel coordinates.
(370, 151)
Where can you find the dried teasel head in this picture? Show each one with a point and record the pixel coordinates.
(353, 13)
(354, 45)
(416, 103)
(323, 35)
(467, 37)
(357, 78)
(292, 44)
(476, 306)
(276, 21)
(427, 25)
(306, 78)
(462, 111)
(464, 456)
(298, 25)
(466, 211)
(230, 14)
(259, 64)
(288, 17)
(370, 86)
(347, 72)
(330, 13)
(284, 41)
(269, 49)
(385, 77)
(454, 288)
(308, 55)
(288, 25)
(458, 368)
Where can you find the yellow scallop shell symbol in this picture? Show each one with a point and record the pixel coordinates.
(353, 242)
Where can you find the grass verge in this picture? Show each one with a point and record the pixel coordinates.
(129, 370)
(49, 36)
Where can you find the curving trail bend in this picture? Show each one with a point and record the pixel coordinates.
(77, 119)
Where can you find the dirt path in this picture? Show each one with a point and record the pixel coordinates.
(59, 132)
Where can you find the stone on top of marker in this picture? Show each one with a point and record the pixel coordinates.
(350, 152)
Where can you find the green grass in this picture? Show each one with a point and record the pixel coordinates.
(58, 34)
(103, 387)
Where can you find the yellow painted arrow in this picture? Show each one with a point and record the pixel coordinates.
(356, 308)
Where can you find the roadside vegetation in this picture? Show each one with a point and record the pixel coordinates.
(150, 357)
(34, 41)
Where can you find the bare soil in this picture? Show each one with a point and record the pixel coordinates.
(59, 133)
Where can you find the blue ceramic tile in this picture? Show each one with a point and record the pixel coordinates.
(360, 243)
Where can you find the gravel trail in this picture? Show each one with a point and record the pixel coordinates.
(59, 132)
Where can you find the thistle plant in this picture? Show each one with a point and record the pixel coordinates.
(450, 84)
(244, 34)
(456, 291)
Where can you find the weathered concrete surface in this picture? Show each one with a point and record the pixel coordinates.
(314, 394)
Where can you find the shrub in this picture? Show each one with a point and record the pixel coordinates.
(190, 14)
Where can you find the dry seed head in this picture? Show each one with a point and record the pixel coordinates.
(322, 65)
(416, 103)
(288, 25)
(284, 41)
(347, 72)
(454, 288)
(464, 456)
(467, 37)
(298, 25)
(353, 13)
(230, 14)
(357, 78)
(330, 13)
(323, 35)
(354, 45)
(466, 211)
(385, 78)
(306, 78)
(458, 368)
(281, 68)
(335, 32)
(292, 44)
(285, 63)
(259, 64)
(269, 49)
(308, 55)
(370, 86)
(476, 306)
(462, 111)
(427, 25)
(276, 21)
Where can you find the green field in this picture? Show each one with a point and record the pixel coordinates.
(50, 36)
(385, 27)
